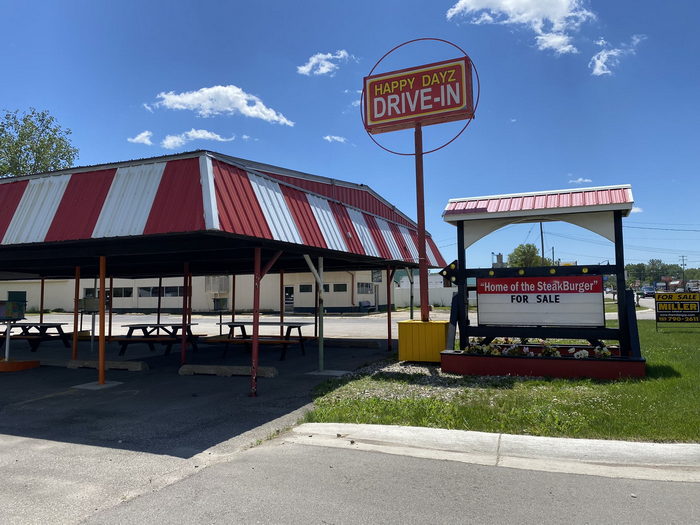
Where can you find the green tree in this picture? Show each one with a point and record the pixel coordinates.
(692, 274)
(636, 272)
(656, 269)
(33, 142)
(526, 255)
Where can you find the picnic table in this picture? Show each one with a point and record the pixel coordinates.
(150, 333)
(36, 333)
(245, 338)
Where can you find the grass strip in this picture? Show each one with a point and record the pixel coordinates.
(663, 407)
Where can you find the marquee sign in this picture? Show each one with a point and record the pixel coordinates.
(429, 94)
(541, 301)
(677, 307)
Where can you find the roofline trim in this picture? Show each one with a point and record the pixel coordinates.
(242, 166)
(455, 216)
(309, 176)
(547, 192)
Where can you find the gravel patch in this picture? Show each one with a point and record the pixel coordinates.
(405, 380)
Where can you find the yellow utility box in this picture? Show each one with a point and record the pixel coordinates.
(422, 341)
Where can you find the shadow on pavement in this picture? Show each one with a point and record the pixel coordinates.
(159, 411)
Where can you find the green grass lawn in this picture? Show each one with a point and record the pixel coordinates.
(665, 406)
(611, 306)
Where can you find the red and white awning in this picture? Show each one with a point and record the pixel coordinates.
(205, 192)
(590, 208)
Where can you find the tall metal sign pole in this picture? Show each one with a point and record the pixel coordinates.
(420, 211)
(412, 98)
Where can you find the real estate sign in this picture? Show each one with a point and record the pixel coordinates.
(429, 94)
(541, 301)
(677, 307)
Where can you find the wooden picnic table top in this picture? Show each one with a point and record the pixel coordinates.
(156, 325)
(265, 323)
(38, 324)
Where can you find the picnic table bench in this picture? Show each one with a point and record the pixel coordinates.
(36, 333)
(247, 339)
(150, 333)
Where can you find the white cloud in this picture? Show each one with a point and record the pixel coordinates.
(323, 63)
(580, 180)
(550, 20)
(560, 43)
(176, 141)
(218, 100)
(142, 138)
(513, 120)
(335, 138)
(607, 58)
(636, 209)
(147, 108)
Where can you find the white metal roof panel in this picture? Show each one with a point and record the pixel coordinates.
(274, 207)
(432, 258)
(389, 239)
(358, 220)
(326, 222)
(129, 201)
(36, 210)
(410, 244)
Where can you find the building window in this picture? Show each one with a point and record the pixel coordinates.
(364, 288)
(173, 291)
(306, 288)
(123, 292)
(376, 276)
(168, 291)
(326, 288)
(89, 293)
(340, 287)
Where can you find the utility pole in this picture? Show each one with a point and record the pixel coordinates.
(683, 258)
(542, 242)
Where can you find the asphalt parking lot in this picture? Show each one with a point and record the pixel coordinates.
(66, 452)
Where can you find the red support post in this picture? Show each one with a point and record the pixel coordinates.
(41, 302)
(76, 299)
(160, 295)
(233, 298)
(281, 303)
(101, 302)
(389, 277)
(183, 336)
(257, 277)
(189, 298)
(111, 303)
(420, 205)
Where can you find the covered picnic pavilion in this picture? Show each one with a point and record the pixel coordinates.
(197, 213)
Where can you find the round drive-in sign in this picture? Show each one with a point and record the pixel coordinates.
(429, 94)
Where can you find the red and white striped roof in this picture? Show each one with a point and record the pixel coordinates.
(204, 191)
(541, 203)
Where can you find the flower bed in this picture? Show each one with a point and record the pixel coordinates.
(545, 360)
(543, 349)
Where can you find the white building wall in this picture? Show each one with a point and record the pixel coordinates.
(58, 294)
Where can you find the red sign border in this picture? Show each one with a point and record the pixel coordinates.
(466, 112)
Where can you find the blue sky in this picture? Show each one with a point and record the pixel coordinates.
(574, 94)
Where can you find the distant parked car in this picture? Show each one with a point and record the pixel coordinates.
(648, 291)
(680, 290)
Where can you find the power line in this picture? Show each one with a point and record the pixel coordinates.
(663, 229)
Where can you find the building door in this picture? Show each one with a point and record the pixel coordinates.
(376, 296)
(288, 299)
(17, 297)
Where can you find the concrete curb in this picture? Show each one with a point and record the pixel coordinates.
(615, 459)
